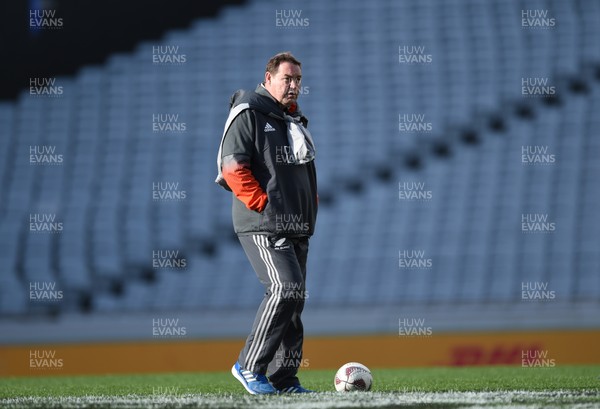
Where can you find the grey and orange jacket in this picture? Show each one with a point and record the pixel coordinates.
(272, 194)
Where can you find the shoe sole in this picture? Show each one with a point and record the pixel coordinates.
(294, 393)
(240, 378)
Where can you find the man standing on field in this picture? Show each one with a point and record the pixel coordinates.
(266, 158)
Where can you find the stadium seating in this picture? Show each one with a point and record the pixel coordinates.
(355, 89)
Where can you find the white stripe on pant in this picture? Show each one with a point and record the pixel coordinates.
(271, 309)
(277, 326)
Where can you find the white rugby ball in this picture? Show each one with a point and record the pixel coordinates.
(353, 377)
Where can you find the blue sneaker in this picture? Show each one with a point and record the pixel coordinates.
(295, 389)
(254, 383)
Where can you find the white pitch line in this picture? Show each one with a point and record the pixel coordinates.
(498, 399)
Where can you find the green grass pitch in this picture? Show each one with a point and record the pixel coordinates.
(561, 386)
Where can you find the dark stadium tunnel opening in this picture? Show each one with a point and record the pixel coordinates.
(470, 137)
(208, 248)
(354, 186)
(413, 161)
(148, 275)
(497, 123)
(525, 111)
(554, 102)
(117, 288)
(85, 302)
(441, 149)
(578, 86)
(326, 198)
(384, 173)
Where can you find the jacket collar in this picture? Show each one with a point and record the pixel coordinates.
(264, 102)
(294, 110)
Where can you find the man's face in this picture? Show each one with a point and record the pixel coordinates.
(284, 85)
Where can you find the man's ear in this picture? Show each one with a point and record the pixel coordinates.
(267, 77)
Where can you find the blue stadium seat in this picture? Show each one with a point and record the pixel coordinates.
(357, 89)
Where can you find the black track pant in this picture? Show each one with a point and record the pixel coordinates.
(274, 347)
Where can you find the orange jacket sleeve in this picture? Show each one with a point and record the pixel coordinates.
(243, 184)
